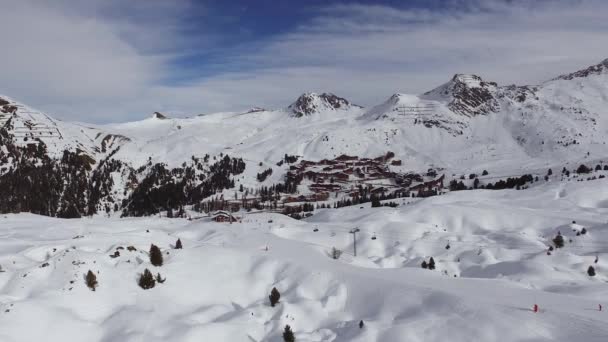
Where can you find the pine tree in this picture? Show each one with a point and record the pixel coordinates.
(91, 280)
(361, 324)
(558, 241)
(583, 169)
(376, 202)
(431, 263)
(160, 279)
(156, 257)
(583, 231)
(591, 271)
(146, 280)
(178, 244)
(288, 334)
(274, 296)
(424, 264)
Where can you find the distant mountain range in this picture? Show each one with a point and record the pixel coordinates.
(71, 169)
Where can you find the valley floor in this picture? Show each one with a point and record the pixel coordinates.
(483, 288)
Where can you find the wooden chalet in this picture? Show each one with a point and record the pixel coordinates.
(341, 176)
(223, 216)
(324, 187)
(436, 184)
(345, 157)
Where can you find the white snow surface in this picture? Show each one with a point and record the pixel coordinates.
(217, 286)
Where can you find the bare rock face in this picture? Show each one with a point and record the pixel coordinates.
(467, 95)
(310, 103)
(473, 99)
(158, 115)
(518, 94)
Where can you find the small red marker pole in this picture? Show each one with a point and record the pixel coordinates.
(535, 308)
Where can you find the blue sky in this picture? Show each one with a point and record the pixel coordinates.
(114, 60)
(242, 26)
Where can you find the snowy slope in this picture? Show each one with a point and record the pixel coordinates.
(28, 125)
(217, 287)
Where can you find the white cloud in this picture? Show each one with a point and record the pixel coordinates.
(70, 57)
(88, 66)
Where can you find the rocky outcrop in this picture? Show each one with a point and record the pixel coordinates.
(598, 69)
(311, 103)
(467, 95)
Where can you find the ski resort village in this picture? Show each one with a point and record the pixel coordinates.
(308, 171)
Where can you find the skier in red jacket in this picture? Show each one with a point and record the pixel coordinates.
(535, 308)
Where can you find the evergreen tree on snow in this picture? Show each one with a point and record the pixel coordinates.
(156, 257)
(288, 334)
(160, 279)
(91, 280)
(274, 296)
(558, 240)
(146, 280)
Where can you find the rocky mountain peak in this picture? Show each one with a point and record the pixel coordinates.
(467, 95)
(598, 69)
(310, 103)
(159, 115)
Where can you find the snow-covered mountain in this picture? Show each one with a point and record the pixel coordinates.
(464, 125)
(530, 232)
(312, 103)
(466, 95)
